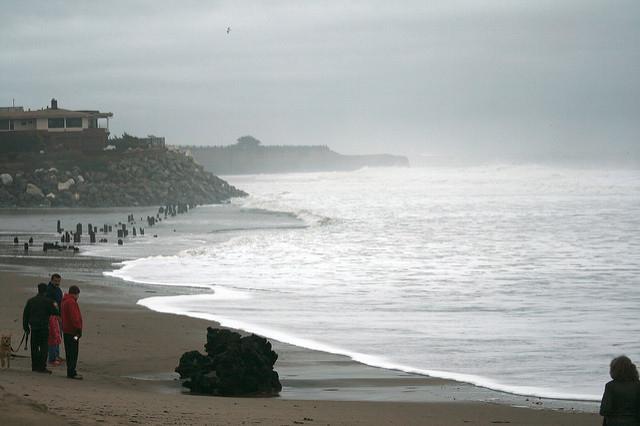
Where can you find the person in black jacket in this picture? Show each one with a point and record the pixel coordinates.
(54, 292)
(35, 319)
(620, 404)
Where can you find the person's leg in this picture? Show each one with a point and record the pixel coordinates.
(58, 357)
(50, 348)
(36, 337)
(71, 352)
(52, 354)
(74, 356)
(44, 349)
(39, 342)
(34, 351)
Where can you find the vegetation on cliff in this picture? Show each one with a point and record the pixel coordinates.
(249, 156)
(110, 178)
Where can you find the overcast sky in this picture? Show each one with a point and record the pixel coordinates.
(510, 78)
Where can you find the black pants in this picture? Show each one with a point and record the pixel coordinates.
(39, 348)
(71, 346)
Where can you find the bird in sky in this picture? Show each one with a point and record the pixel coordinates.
(228, 30)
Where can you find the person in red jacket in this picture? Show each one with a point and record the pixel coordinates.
(71, 329)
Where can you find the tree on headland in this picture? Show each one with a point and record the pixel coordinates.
(248, 142)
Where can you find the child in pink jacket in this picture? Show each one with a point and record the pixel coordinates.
(55, 338)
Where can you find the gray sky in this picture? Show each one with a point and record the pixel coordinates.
(495, 78)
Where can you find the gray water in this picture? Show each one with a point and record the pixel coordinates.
(521, 279)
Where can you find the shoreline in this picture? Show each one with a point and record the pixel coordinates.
(124, 340)
(504, 396)
(470, 391)
(309, 377)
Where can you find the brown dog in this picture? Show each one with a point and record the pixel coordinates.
(5, 350)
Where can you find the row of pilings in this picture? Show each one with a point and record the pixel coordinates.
(70, 239)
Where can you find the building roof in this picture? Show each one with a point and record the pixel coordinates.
(17, 114)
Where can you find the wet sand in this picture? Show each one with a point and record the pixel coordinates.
(128, 353)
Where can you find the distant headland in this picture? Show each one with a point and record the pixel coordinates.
(249, 156)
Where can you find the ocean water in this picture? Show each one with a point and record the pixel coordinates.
(523, 279)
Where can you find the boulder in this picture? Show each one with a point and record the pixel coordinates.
(6, 198)
(233, 366)
(64, 199)
(6, 179)
(64, 186)
(34, 190)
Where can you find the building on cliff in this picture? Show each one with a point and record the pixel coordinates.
(154, 141)
(53, 128)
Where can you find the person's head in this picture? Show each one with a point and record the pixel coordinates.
(55, 279)
(622, 369)
(74, 290)
(42, 288)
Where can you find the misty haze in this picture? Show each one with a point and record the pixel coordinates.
(320, 212)
(493, 80)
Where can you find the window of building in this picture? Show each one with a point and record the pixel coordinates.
(74, 122)
(56, 123)
(4, 124)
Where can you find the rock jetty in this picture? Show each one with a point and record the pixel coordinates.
(110, 179)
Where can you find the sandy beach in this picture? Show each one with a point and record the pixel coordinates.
(127, 355)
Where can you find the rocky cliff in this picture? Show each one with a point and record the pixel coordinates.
(106, 179)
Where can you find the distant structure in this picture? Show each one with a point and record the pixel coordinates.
(127, 141)
(154, 141)
(54, 128)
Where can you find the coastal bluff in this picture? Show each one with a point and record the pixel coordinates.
(249, 156)
(137, 177)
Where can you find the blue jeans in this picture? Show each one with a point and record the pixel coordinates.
(54, 352)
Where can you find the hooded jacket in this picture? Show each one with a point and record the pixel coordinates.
(37, 311)
(71, 316)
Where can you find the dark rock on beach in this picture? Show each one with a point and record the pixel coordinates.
(233, 366)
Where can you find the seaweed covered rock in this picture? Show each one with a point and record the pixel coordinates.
(233, 366)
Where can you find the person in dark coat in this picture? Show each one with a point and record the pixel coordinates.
(54, 292)
(35, 320)
(620, 404)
